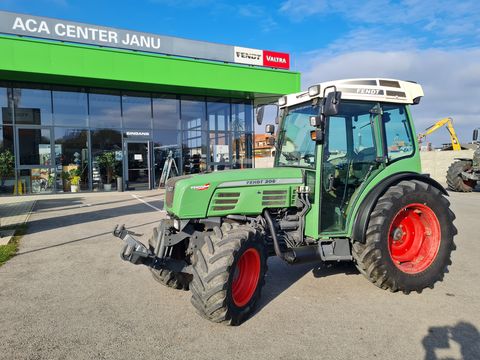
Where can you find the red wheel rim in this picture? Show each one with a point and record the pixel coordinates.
(414, 238)
(245, 278)
(471, 183)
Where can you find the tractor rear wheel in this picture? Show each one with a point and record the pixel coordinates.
(228, 273)
(409, 238)
(172, 279)
(455, 181)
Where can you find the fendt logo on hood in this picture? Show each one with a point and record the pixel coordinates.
(200, 187)
(276, 59)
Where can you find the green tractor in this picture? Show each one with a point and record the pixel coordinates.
(346, 186)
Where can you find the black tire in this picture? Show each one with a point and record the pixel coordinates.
(172, 279)
(455, 181)
(375, 260)
(214, 266)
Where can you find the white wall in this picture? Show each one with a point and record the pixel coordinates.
(436, 163)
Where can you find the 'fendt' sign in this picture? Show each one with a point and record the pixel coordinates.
(69, 31)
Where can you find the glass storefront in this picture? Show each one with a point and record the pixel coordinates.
(62, 139)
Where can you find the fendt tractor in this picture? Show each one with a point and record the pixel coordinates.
(346, 186)
(464, 174)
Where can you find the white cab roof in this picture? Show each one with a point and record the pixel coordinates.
(370, 89)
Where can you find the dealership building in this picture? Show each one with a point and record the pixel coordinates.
(82, 105)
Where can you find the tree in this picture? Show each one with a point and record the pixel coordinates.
(7, 165)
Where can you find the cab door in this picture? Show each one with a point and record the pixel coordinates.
(349, 160)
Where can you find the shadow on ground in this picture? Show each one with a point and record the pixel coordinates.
(461, 341)
(281, 276)
(79, 240)
(87, 214)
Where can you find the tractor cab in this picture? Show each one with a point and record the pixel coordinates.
(343, 134)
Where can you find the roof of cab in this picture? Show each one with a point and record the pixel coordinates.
(368, 89)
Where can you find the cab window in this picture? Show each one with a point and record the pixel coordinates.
(397, 131)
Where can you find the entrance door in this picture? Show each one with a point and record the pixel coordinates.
(138, 166)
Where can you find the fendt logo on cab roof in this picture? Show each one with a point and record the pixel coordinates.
(368, 91)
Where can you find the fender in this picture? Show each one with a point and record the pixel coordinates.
(361, 221)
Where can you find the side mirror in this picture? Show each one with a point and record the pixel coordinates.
(259, 114)
(270, 141)
(475, 135)
(331, 104)
(270, 129)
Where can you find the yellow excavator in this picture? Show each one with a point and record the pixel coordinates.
(448, 121)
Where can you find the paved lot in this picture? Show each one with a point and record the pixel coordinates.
(67, 295)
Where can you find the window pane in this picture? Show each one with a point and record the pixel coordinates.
(218, 113)
(105, 110)
(397, 131)
(194, 138)
(34, 147)
(242, 138)
(71, 154)
(105, 145)
(218, 116)
(166, 145)
(5, 111)
(32, 106)
(6, 138)
(137, 111)
(242, 150)
(34, 181)
(166, 113)
(242, 117)
(70, 108)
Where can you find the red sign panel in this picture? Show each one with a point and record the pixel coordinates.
(276, 59)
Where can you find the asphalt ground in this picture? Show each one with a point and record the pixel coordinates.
(67, 295)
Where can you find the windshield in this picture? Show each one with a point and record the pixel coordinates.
(295, 147)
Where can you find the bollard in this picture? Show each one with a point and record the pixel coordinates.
(119, 183)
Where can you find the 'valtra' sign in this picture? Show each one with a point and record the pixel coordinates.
(69, 31)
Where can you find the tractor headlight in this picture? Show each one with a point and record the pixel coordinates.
(176, 224)
(314, 90)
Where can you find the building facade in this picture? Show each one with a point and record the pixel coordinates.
(77, 115)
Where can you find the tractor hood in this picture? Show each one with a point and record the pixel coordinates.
(221, 193)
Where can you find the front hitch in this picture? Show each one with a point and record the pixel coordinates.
(137, 253)
(133, 250)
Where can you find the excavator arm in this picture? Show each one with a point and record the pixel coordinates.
(449, 123)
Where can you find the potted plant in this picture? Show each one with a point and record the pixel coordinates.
(74, 178)
(75, 183)
(7, 168)
(107, 163)
(65, 180)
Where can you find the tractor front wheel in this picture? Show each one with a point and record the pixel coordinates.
(228, 273)
(409, 238)
(169, 278)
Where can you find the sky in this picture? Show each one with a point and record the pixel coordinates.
(435, 43)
